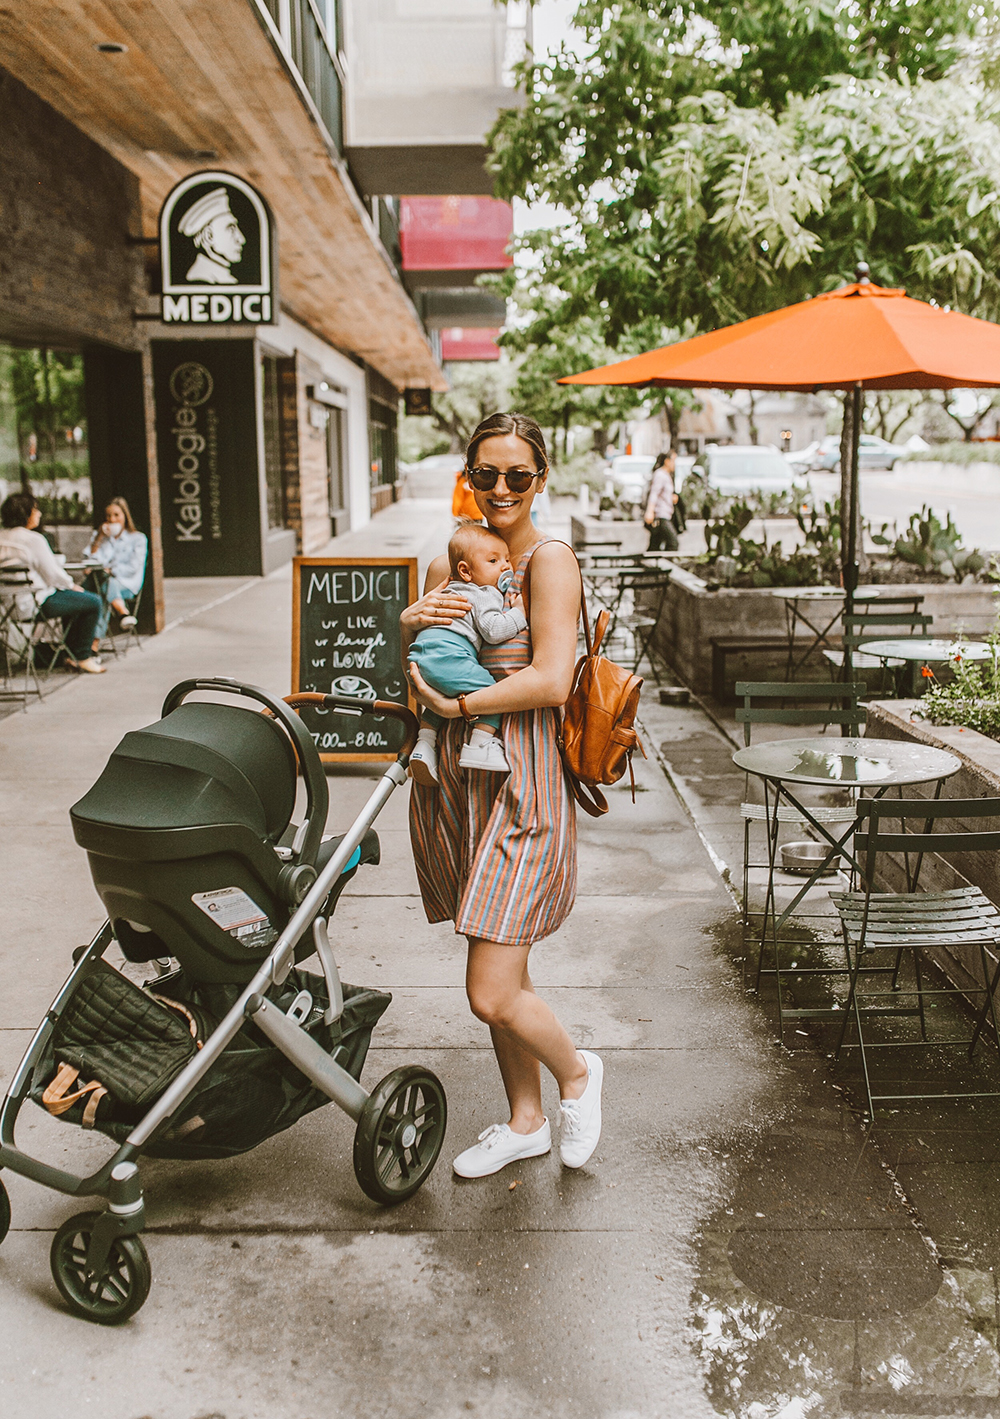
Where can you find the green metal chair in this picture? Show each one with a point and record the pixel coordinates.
(915, 925)
(646, 589)
(842, 708)
(895, 618)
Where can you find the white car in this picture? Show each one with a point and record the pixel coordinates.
(736, 470)
(629, 476)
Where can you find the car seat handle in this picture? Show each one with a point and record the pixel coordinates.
(317, 795)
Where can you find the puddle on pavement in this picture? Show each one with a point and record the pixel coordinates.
(817, 1292)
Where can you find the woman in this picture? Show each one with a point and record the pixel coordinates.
(498, 855)
(660, 505)
(54, 589)
(122, 549)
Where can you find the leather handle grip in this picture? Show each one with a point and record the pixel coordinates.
(356, 704)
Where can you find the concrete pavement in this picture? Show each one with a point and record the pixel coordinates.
(673, 1276)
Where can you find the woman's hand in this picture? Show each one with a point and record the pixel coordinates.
(437, 608)
(430, 698)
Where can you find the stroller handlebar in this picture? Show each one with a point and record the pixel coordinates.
(357, 704)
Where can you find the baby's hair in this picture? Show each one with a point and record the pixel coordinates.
(464, 538)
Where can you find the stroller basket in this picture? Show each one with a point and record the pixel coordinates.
(250, 1093)
(194, 853)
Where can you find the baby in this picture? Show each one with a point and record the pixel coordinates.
(448, 657)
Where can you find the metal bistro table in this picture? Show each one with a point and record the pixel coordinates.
(863, 766)
(824, 598)
(925, 650)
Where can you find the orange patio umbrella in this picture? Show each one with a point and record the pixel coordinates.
(859, 337)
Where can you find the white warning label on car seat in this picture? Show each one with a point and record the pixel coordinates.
(233, 911)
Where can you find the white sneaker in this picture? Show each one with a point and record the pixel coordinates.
(580, 1119)
(90, 666)
(498, 1146)
(423, 764)
(128, 623)
(489, 756)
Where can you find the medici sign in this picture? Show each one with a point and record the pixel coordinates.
(206, 442)
(217, 253)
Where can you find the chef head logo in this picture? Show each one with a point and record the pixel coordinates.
(217, 252)
(216, 233)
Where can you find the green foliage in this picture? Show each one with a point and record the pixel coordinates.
(66, 512)
(933, 546)
(755, 563)
(47, 386)
(960, 453)
(718, 162)
(971, 698)
(722, 533)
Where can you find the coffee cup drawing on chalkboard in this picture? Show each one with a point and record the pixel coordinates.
(353, 685)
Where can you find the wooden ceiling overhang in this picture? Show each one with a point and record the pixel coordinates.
(203, 85)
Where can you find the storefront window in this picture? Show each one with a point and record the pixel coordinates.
(273, 471)
(43, 430)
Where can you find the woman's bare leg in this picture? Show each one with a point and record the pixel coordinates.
(524, 1031)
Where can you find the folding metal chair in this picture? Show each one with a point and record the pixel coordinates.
(915, 925)
(842, 708)
(893, 618)
(129, 635)
(646, 588)
(18, 613)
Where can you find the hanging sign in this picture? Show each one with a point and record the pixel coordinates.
(346, 641)
(217, 253)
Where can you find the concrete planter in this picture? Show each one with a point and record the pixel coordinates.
(693, 616)
(979, 777)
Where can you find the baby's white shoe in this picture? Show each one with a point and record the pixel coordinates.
(424, 760)
(489, 756)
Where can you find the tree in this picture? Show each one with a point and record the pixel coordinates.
(696, 195)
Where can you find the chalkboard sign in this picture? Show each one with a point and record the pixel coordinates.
(346, 641)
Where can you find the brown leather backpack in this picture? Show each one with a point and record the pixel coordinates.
(598, 739)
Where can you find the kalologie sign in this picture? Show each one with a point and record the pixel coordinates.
(206, 435)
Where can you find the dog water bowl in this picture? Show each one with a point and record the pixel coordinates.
(805, 857)
(675, 695)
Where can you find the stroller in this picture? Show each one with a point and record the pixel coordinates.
(206, 879)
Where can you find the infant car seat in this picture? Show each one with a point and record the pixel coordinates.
(189, 836)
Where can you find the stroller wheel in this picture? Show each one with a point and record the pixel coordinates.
(118, 1292)
(400, 1133)
(4, 1212)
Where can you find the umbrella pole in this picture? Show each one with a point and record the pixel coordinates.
(849, 512)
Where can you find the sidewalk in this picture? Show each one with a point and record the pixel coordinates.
(717, 1256)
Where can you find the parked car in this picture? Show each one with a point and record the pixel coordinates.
(736, 470)
(629, 476)
(873, 452)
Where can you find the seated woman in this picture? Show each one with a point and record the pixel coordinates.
(54, 589)
(122, 549)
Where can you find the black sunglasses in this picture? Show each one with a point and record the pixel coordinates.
(518, 480)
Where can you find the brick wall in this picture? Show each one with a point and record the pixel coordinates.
(314, 480)
(67, 274)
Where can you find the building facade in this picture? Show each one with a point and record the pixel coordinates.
(238, 441)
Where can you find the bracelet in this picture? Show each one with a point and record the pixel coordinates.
(466, 715)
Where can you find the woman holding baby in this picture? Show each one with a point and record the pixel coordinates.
(495, 850)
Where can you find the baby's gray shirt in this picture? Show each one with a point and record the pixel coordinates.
(487, 620)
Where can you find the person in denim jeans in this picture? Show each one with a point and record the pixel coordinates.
(53, 587)
(119, 547)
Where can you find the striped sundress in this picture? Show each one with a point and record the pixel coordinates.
(497, 854)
